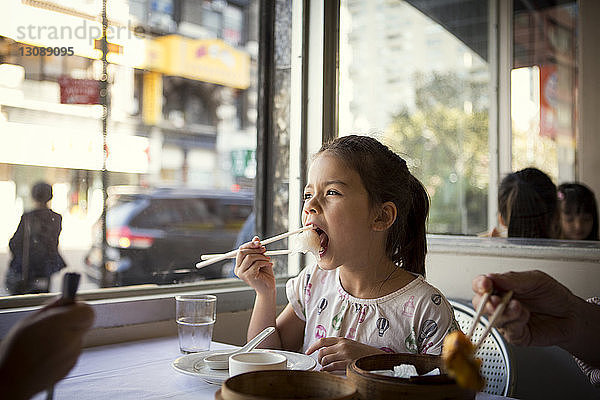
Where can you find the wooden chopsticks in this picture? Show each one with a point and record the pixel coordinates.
(499, 310)
(233, 253)
(266, 253)
(482, 304)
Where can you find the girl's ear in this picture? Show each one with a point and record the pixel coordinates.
(386, 217)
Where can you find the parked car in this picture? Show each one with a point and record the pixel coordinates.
(158, 235)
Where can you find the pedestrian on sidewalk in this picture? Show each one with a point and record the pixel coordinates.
(34, 246)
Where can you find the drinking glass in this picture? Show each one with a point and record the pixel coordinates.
(195, 316)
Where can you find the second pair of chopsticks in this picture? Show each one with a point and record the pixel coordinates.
(266, 253)
(499, 310)
(233, 253)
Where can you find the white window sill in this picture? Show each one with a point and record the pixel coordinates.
(143, 305)
(515, 247)
(150, 304)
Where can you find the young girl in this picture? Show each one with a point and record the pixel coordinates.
(578, 212)
(367, 293)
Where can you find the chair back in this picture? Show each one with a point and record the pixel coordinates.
(495, 356)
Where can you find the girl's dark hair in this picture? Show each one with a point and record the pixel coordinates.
(527, 204)
(41, 192)
(387, 178)
(576, 198)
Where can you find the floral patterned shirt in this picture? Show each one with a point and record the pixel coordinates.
(413, 319)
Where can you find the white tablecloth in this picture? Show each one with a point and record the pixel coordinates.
(139, 370)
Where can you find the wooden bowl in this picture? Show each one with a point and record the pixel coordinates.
(287, 384)
(373, 386)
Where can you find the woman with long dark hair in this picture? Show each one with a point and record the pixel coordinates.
(527, 204)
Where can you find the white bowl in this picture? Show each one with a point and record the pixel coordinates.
(255, 361)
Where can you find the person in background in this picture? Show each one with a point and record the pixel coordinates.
(543, 312)
(527, 205)
(578, 212)
(42, 348)
(367, 293)
(34, 246)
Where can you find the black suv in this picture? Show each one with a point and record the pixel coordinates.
(158, 235)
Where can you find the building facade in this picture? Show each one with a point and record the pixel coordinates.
(182, 101)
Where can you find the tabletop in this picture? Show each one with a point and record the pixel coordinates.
(140, 370)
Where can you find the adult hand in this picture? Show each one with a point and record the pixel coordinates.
(42, 348)
(254, 267)
(540, 313)
(335, 353)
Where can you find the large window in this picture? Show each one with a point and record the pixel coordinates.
(544, 89)
(417, 76)
(180, 139)
(467, 91)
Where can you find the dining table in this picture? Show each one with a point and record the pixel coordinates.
(141, 369)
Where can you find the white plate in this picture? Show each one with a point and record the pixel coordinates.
(193, 364)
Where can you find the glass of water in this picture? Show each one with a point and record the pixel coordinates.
(195, 316)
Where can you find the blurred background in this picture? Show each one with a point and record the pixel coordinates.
(182, 104)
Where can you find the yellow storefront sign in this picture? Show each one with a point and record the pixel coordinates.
(152, 104)
(210, 60)
(154, 57)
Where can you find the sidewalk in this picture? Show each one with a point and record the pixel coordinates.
(74, 260)
(74, 242)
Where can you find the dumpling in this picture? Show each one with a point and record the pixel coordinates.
(308, 241)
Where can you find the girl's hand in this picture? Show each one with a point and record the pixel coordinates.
(335, 353)
(254, 268)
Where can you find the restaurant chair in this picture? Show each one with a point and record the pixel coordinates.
(494, 353)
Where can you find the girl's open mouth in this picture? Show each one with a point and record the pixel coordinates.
(324, 241)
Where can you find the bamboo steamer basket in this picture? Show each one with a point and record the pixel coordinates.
(286, 384)
(373, 386)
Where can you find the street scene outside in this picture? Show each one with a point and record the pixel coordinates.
(180, 113)
(75, 241)
(74, 260)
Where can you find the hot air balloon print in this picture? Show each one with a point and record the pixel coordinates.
(382, 324)
(428, 329)
(363, 313)
(307, 292)
(322, 305)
